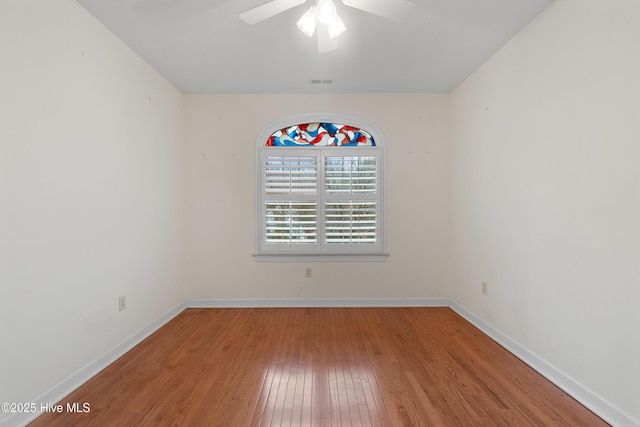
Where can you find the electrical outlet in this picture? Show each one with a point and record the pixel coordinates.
(485, 288)
(308, 272)
(122, 302)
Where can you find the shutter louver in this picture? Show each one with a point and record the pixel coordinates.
(350, 214)
(290, 175)
(290, 218)
(351, 222)
(291, 222)
(348, 175)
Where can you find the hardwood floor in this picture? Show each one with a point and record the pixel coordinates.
(320, 367)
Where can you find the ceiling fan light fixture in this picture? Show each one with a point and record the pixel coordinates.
(326, 11)
(307, 23)
(336, 27)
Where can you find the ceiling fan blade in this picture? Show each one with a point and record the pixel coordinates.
(396, 10)
(268, 10)
(325, 43)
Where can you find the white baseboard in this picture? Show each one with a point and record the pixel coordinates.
(588, 398)
(75, 380)
(317, 302)
(582, 394)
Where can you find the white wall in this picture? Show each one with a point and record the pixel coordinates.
(546, 194)
(90, 194)
(221, 194)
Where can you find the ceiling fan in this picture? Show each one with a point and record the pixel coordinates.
(323, 16)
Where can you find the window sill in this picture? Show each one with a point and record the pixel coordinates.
(321, 257)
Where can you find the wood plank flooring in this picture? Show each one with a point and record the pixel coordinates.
(320, 367)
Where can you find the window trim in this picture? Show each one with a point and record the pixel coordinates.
(296, 255)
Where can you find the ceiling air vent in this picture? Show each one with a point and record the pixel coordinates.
(320, 82)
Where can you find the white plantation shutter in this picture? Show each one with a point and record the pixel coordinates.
(291, 222)
(290, 174)
(351, 175)
(290, 205)
(320, 200)
(350, 222)
(350, 211)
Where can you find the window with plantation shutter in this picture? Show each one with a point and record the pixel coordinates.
(290, 186)
(320, 192)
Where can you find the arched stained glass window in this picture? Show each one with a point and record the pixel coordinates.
(320, 186)
(320, 135)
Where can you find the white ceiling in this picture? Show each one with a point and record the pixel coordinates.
(202, 46)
